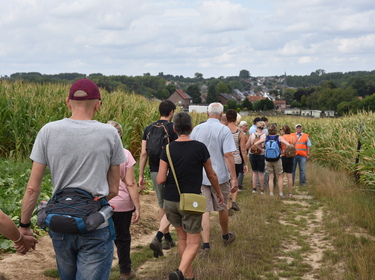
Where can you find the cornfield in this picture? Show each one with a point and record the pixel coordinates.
(26, 107)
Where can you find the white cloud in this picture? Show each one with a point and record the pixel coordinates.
(180, 37)
(218, 16)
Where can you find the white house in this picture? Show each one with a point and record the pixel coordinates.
(198, 108)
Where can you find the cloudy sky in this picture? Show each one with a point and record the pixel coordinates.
(182, 37)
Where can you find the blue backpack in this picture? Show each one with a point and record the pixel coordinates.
(272, 148)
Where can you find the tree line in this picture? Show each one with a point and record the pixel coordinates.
(341, 92)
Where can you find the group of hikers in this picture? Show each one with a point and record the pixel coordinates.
(95, 193)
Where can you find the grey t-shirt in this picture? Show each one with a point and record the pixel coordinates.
(79, 153)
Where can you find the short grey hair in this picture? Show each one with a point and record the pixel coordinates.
(242, 123)
(215, 109)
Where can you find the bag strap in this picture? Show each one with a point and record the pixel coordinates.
(172, 168)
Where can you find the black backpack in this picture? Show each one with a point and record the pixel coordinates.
(156, 140)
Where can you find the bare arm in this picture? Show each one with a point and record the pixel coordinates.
(211, 175)
(29, 201)
(142, 166)
(113, 178)
(22, 243)
(229, 160)
(31, 195)
(282, 140)
(161, 178)
(132, 187)
(248, 142)
(243, 152)
(308, 152)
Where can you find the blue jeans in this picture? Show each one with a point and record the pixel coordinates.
(301, 161)
(83, 256)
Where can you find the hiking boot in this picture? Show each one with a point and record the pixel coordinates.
(203, 253)
(156, 247)
(176, 275)
(128, 276)
(235, 206)
(231, 238)
(230, 212)
(168, 244)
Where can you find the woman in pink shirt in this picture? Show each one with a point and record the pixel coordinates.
(126, 203)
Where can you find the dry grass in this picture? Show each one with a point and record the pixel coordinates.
(314, 235)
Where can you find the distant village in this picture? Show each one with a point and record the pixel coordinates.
(182, 99)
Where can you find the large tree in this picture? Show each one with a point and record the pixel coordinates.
(263, 105)
(198, 76)
(232, 104)
(247, 105)
(244, 74)
(222, 88)
(193, 91)
(212, 95)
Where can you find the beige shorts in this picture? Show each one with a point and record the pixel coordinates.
(190, 223)
(212, 200)
(274, 167)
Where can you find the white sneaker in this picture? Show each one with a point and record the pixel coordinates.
(254, 191)
(271, 193)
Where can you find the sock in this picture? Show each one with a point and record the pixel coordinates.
(159, 236)
(206, 245)
(167, 236)
(281, 194)
(226, 236)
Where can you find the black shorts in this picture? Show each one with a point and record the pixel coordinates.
(287, 164)
(239, 169)
(257, 163)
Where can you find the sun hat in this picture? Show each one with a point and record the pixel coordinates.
(84, 89)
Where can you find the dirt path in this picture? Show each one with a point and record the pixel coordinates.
(304, 217)
(32, 265)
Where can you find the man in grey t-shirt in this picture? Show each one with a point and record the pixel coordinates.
(80, 153)
(219, 141)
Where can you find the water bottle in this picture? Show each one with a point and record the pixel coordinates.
(106, 211)
(97, 218)
(42, 204)
(41, 214)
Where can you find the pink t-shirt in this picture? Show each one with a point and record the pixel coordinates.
(122, 201)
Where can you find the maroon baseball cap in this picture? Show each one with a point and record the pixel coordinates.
(84, 89)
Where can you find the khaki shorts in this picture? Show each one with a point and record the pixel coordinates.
(274, 167)
(212, 200)
(159, 189)
(190, 223)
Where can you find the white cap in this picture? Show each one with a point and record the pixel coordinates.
(298, 124)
